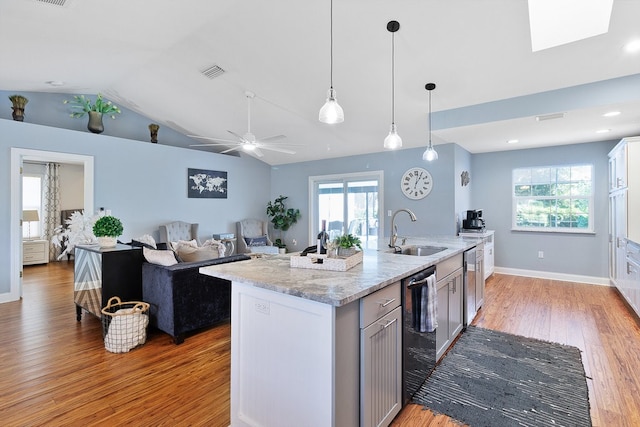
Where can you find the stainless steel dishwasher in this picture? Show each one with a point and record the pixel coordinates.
(419, 348)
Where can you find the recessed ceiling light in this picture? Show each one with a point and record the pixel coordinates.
(603, 130)
(633, 46)
(512, 141)
(55, 83)
(611, 114)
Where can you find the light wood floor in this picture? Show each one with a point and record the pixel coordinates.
(55, 371)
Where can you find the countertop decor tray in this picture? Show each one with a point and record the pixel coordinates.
(322, 262)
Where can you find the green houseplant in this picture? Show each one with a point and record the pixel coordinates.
(81, 105)
(281, 218)
(347, 244)
(107, 228)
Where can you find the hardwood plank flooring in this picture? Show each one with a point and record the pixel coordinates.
(54, 371)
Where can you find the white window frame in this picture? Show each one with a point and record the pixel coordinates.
(548, 229)
(355, 176)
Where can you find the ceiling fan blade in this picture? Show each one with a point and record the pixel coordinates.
(272, 138)
(278, 149)
(215, 144)
(231, 149)
(257, 152)
(241, 138)
(211, 138)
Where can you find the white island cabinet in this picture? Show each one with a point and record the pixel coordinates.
(299, 337)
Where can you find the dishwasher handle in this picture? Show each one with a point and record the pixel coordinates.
(421, 278)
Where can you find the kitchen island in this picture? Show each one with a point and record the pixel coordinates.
(296, 334)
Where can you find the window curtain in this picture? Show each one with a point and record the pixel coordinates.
(51, 205)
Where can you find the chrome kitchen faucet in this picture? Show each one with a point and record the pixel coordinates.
(394, 227)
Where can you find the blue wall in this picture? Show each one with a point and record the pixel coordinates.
(144, 184)
(436, 213)
(577, 254)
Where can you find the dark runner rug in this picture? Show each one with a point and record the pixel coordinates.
(491, 379)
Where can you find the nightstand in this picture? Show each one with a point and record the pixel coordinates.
(35, 252)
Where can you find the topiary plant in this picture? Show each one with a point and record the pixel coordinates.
(107, 226)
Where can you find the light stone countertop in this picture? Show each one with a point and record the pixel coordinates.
(378, 269)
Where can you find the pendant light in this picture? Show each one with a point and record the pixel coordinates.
(430, 154)
(331, 112)
(393, 140)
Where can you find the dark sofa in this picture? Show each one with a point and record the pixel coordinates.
(183, 300)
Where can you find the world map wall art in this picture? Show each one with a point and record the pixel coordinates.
(205, 184)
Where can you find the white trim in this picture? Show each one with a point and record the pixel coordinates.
(377, 174)
(591, 280)
(18, 156)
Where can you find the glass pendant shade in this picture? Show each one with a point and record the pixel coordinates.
(393, 140)
(331, 112)
(430, 154)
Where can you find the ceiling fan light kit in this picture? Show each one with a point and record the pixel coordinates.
(393, 140)
(331, 112)
(430, 154)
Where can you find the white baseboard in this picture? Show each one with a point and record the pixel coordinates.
(591, 280)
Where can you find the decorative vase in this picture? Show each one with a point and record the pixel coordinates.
(18, 114)
(346, 252)
(153, 130)
(95, 122)
(107, 242)
(282, 251)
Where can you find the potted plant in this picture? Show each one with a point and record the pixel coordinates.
(19, 102)
(281, 218)
(347, 244)
(107, 228)
(81, 105)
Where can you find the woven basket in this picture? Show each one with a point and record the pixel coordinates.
(124, 324)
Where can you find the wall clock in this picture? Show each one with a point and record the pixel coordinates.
(416, 183)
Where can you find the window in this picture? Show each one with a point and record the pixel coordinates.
(31, 200)
(349, 203)
(553, 198)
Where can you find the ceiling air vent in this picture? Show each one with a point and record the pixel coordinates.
(550, 117)
(213, 72)
(53, 2)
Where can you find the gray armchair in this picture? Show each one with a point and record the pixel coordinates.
(178, 230)
(250, 229)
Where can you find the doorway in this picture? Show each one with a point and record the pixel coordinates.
(18, 157)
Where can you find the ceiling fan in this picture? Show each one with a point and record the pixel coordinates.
(248, 141)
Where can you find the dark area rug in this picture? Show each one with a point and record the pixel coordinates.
(491, 378)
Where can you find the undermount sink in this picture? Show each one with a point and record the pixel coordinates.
(418, 250)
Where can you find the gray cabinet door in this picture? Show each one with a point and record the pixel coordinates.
(381, 370)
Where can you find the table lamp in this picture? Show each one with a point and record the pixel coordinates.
(30, 215)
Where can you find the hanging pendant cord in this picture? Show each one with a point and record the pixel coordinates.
(393, 79)
(331, 44)
(429, 119)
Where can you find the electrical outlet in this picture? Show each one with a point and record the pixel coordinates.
(540, 254)
(295, 242)
(389, 212)
(262, 306)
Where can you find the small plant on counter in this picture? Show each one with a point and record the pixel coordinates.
(279, 243)
(348, 241)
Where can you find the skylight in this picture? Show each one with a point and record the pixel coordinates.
(557, 22)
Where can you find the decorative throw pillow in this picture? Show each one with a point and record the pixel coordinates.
(215, 245)
(176, 245)
(256, 241)
(166, 258)
(147, 240)
(190, 254)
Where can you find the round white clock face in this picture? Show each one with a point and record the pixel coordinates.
(416, 183)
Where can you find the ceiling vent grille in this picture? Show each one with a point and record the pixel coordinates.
(53, 2)
(550, 117)
(213, 72)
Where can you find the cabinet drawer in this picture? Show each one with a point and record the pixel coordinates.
(448, 266)
(32, 257)
(30, 248)
(379, 303)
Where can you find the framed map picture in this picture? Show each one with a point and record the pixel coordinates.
(205, 184)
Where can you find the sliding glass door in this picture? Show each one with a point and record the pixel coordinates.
(350, 204)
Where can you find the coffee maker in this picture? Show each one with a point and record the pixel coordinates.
(474, 220)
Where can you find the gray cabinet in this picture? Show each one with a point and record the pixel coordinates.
(450, 308)
(381, 356)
